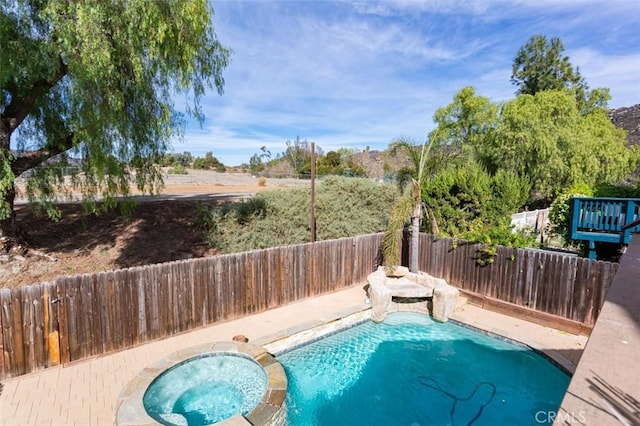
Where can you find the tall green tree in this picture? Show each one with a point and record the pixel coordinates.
(540, 65)
(256, 163)
(463, 126)
(298, 154)
(546, 138)
(208, 162)
(94, 80)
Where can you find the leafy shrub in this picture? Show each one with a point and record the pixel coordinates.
(205, 218)
(344, 207)
(178, 169)
(497, 234)
(464, 198)
(560, 211)
(255, 208)
(493, 235)
(617, 190)
(200, 164)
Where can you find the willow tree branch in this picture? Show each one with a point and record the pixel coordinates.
(20, 106)
(31, 159)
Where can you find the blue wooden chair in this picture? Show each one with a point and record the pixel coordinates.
(609, 220)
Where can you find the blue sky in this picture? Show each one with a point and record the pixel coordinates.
(354, 74)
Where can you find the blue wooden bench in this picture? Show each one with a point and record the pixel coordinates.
(608, 220)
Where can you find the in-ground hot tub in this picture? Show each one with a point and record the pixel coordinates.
(207, 384)
(206, 389)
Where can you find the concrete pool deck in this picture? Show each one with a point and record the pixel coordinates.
(86, 392)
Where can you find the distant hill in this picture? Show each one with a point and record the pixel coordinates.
(376, 164)
(628, 118)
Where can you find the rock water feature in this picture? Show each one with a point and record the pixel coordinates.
(414, 292)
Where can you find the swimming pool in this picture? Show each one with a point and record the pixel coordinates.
(410, 370)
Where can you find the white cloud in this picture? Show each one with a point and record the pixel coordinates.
(620, 73)
(357, 74)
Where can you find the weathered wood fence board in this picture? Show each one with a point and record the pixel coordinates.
(566, 286)
(86, 315)
(29, 328)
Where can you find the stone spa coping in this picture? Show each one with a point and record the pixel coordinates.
(130, 408)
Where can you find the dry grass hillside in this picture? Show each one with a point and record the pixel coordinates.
(161, 229)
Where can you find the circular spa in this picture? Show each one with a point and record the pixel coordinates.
(206, 389)
(206, 385)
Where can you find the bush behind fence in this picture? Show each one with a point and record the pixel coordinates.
(570, 287)
(76, 317)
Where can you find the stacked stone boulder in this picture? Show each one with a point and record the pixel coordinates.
(386, 283)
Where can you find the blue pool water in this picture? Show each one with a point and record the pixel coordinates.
(410, 370)
(206, 389)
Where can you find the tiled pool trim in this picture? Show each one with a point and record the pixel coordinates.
(553, 357)
(130, 409)
(301, 338)
(304, 337)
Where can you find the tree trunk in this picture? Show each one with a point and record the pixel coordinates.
(10, 233)
(415, 234)
(8, 226)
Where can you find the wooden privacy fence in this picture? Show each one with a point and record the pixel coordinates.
(80, 316)
(76, 317)
(570, 287)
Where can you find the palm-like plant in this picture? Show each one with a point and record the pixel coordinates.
(409, 206)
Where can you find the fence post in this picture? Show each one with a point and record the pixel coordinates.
(3, 367)
(63, 325)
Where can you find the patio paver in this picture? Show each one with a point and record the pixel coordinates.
(85, 392)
